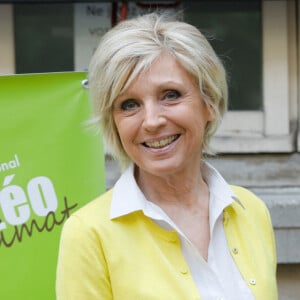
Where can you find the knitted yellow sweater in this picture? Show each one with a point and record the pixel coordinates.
(131, 257)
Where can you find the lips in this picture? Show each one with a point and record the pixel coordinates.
(158, 144)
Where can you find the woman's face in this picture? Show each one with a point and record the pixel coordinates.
(161, 119)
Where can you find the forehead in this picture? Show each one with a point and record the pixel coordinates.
(165, 68)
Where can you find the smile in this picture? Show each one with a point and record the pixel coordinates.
(161, 143)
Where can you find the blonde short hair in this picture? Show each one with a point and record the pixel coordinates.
(130, 47)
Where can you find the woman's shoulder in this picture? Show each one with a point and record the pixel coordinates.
(100, 204)
(249, 204)
(251, 213)
(246, 197)
(94, 212)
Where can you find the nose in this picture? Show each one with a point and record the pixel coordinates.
(154, 118)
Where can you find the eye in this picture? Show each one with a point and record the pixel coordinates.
(171, 95)
(129, 105)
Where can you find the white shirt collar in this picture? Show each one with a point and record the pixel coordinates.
(127, 196)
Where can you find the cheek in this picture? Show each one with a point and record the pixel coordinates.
(198, 120)
(118, 128)
(206, 112)
(125, 130)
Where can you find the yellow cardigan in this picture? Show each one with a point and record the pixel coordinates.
(131, 257)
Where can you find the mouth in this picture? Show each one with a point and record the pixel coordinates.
(161, 143)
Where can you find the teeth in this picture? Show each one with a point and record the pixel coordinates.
(161, 143)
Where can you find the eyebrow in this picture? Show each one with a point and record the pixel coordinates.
(161, 86)
(170, 82)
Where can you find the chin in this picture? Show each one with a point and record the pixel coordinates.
(160, 168)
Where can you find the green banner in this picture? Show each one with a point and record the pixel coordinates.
(51, 163)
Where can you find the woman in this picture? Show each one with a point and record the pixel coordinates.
(171, 228)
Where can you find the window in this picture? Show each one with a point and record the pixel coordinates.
(271, 129)
(239, 47)
(43, 37)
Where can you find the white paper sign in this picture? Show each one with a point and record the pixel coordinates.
(91, 21)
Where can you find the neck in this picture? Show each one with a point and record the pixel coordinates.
(186, 188)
